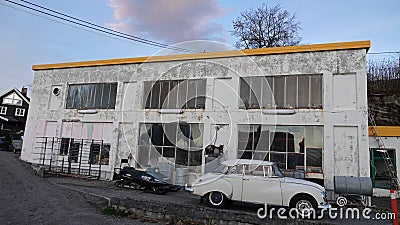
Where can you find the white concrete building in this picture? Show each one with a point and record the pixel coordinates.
(303, 107)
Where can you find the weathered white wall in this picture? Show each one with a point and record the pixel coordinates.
(344, 113)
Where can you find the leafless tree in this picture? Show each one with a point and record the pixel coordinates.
(266, 27)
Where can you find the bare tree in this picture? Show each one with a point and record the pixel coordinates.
(266, 27)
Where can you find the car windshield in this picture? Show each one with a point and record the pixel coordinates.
(221, 169)
(276, 171)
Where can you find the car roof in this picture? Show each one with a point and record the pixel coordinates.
(247, 161)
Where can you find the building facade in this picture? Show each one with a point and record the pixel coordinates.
(303, 107)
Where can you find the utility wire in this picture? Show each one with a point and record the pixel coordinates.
(380, 53)
(98, 27)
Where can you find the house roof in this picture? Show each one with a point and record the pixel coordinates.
(25, 98)
(209, 55)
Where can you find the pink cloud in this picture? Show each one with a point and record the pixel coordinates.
(170, 21)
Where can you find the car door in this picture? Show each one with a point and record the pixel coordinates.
(235, 178)
(261, 186)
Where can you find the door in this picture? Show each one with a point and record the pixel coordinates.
(235, 178)
(259, 186)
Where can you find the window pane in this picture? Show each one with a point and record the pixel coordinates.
(295, 161)
(255, 94)
(84, 96)
(314, 157)
(77, 97)
(245, 139)
(147, 85)
(263, 140)
(98, 96)
(244, 93)
(279, 159)
(106, 96)
(279, 92)
(143, 155)
(303, 91)
(113, 96)
(201, 93)
(169, 134)
(195, 158)
(182, 157)
(91, 96)
(157, 134)
(163, 94)
(182, 90)
(197, 135)
(145, 134)
(191, 94)
(314, 136)
(70, 96)
(173, 94)
(279, 143)
(291, 92)
(267, 94)
(316, 92)
(155, 96)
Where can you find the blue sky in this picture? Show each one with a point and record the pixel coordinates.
(28, 39)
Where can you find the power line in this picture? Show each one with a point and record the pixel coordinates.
(96, 27)
(381, 53)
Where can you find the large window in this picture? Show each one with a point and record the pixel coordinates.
(12, 99)
(174, 94)
(91, 96)
(290, 147)
(181, 144)
(281, 92)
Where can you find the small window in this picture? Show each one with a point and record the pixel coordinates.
(19, 112)
(64, 146)
(3, 110)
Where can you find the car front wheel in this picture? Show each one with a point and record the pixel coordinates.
(217, 199)
(304, 204)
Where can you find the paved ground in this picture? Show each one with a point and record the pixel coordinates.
(26, 198)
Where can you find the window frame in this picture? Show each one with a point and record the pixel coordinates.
(91, 96)
(3, 110)
(307, 92)
(174, 94)
(19, 112)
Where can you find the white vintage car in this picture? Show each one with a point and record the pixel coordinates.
(257, 181)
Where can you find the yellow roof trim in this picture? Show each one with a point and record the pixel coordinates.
(385, 131)
(208, 55)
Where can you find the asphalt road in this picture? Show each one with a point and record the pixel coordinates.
(26, 198)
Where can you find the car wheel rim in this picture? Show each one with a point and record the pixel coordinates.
(303, 206)
(216, 198)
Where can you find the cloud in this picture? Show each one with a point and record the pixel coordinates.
(170, 21)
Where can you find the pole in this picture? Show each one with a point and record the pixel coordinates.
(393, 202)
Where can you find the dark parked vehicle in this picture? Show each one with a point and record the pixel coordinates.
(11, 142)
(142, 180)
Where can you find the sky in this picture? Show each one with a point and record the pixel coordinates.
(31, 38)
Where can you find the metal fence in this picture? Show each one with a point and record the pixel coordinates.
(80, 157)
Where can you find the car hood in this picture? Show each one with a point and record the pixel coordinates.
(304, 182)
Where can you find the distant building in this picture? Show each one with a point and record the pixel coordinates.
(14, 105)
(302, 107)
